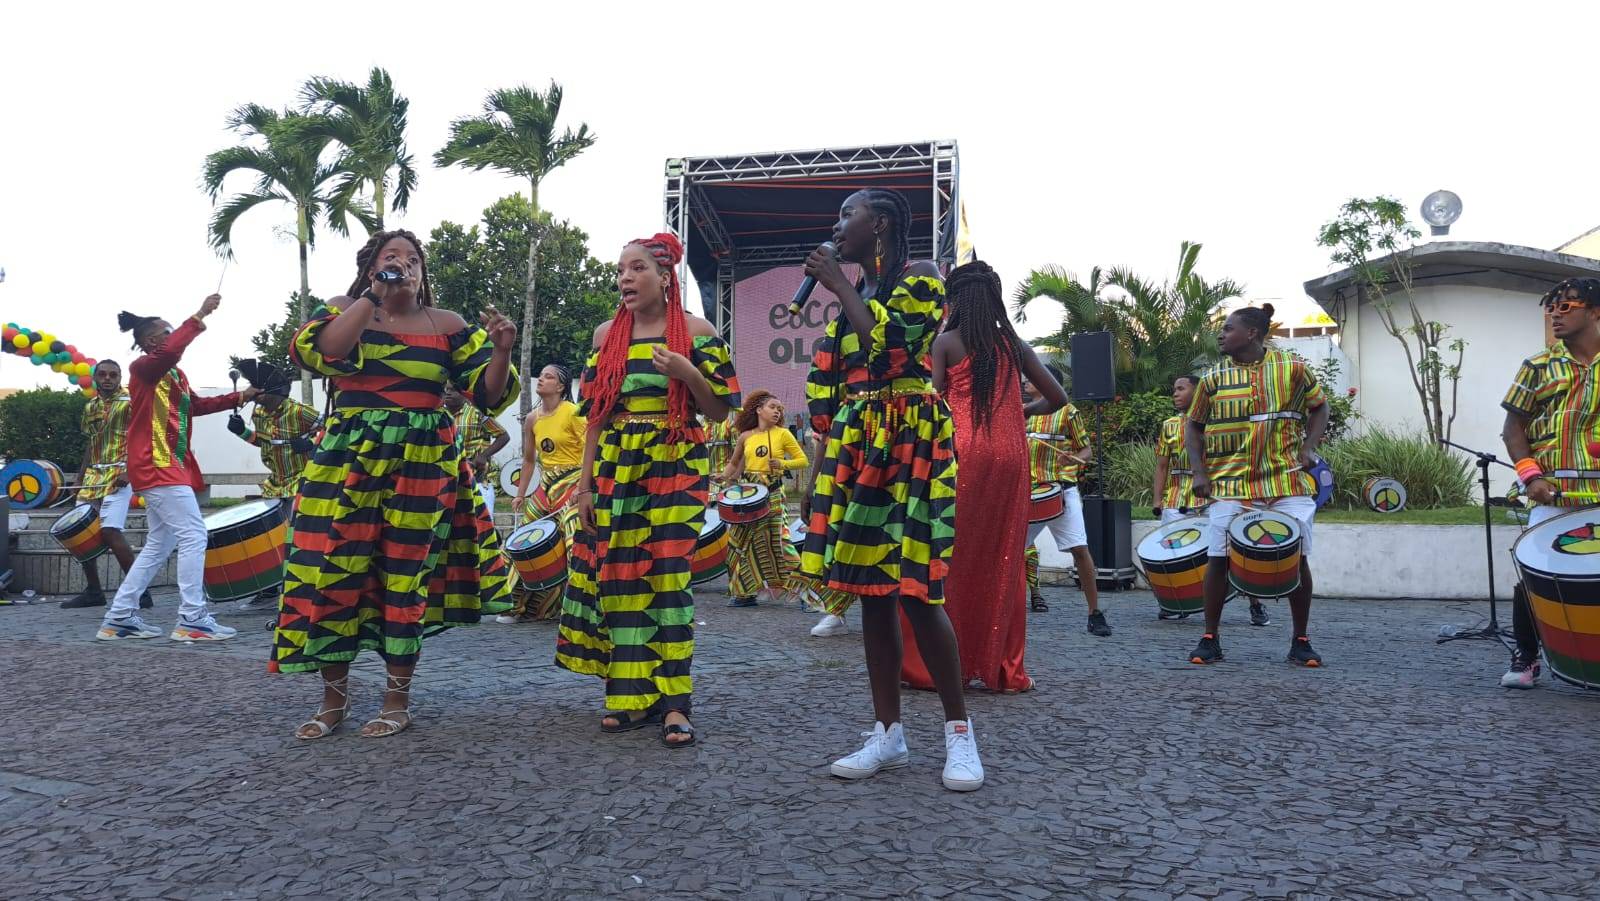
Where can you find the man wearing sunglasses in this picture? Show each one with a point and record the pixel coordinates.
(1552, 414)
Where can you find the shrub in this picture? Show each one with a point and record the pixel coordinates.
(43, 424)
(1133, 417)
(1130, 468)
(1433, 476)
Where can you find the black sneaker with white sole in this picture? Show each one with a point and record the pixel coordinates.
(1301, 654)
(1209, 650)
(1098, 625)
(1258, 614)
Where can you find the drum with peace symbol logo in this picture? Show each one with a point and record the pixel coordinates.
(1174, 561)
(1264, 554)
(1559, 561)
(1383, 494)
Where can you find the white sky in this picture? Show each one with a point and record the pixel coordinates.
(1087, 136)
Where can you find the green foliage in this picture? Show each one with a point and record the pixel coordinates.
(1433, 476)
(476, 266)
(1135, 417)
(368, 122)
(1158, 330)
(272, 342)
(1342, 412)
(43, 424)
(1130, 469)
(516, 134)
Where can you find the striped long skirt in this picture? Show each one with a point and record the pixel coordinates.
(759, 553)
(628, 612)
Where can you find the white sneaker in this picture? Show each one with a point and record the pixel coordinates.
(963, 771)
(830, 625)
(204, 629)
(507, 619)
(130, 626)
(885, 749)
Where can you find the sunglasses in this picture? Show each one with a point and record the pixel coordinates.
(1564, 306)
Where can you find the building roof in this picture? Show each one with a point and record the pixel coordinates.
(1584, 245)
(1482, 263)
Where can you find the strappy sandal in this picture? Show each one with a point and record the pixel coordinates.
(627, 721)
(670, 729)
(395, 727)
(342, 686)
(1037, 605)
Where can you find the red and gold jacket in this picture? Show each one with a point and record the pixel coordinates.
(159, 421)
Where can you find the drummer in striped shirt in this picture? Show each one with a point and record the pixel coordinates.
(104, 478)
(1058, 451)
(1253, 425)
(1552, 418)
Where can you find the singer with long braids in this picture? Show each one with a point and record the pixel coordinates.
(552, 441)
(391, 542)
(628, 614)
(977, 367)
(760, 556)
(163, 470)
(1254, 422)
(883, 509)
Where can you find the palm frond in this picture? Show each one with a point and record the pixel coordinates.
(222, 221)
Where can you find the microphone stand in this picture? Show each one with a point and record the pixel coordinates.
(1492, 628)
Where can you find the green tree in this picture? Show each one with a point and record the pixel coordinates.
(368, 123)
(43, 424)
(272, 342)
(286, 165)
(1374, 239)
(516, 135)
(471, 266)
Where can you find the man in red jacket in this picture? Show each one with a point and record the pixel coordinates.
(162, 468)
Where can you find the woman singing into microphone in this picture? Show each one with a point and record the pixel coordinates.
(883, 510)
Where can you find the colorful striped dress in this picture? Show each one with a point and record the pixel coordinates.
(628, 614)
(391, 541)
(883, 509)
(759, 553)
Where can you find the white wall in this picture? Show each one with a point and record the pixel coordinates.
(1502, 328)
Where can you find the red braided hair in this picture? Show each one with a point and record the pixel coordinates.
(611, 367)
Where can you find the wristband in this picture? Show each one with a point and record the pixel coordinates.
(368, 295)
(1528, 470)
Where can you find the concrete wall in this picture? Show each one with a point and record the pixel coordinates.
(1502, 328)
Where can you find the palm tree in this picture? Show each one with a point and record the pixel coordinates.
(1084, 308)
(516, 134)
(287, 166)
(369, 125)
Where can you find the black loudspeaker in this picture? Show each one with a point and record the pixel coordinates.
(1093, 376)
(1109, 524)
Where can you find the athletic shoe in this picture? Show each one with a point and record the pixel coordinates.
(1209, 650)
(1168, 614)
(742, 602)
(885, 750)
(205, 629)
(128, 627)
(830, 625)
(1300, 653)
(86, 599)
(266, 600)
(1523, 673)
(1098, 625)
(1258, 614)
(963, 771)
(508, 619)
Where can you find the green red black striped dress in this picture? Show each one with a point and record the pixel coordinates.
(883, 510)
(391, 540)
(628, 614)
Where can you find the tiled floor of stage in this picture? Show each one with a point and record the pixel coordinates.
(154, 769)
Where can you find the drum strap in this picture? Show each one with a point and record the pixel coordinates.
(1575, 474)
(1180, 472)
(1279, 414)
(1046, 436)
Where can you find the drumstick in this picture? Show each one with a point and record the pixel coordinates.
(220, 277)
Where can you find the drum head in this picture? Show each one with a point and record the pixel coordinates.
(510, 477)
(29, 483)
(70, 520)
(1565, 545)
(713, 524)
(240, 513)
(1177, 540)
(534, 533)
(743, 494)
(1384, 495)
(1045, 492)
(1264, 529)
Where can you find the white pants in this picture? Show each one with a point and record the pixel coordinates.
(174, 521)
(1067, 529)
(114, 508)
(1173, 514)
(486, 491)
(1221, 514)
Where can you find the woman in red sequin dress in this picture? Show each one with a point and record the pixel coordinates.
(976, 366)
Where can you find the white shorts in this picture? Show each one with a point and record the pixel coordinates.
(1538, 513)
(1221, 514)
(1067, 529)
(1173, 514)
(114, 508)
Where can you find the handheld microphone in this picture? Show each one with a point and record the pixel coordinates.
(384, 275)
(807, 285)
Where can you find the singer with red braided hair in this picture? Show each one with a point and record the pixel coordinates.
(628, 614)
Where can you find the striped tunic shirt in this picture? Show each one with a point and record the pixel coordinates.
(1255, 421)
(105, 425)
(1048, 457)
(1179, 490)
(1562, 398)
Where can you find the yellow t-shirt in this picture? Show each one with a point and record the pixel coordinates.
(771, 452)
(559, 437)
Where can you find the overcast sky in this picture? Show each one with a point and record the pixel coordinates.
(1100, 136)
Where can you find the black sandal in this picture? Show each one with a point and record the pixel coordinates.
(670, 729)
(1037, 605)
(626, 721)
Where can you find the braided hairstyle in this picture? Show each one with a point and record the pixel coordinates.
(893, 205)
(564, 376)
(978, 315)
(1258, 318)
(1587, 289)
(129, 322)
(748, 416)
(611, 367)
(369, 253)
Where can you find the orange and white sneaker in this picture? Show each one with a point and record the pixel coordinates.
(127, 627)
(205, 629)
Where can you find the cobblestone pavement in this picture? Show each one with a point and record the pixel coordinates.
(156, 769)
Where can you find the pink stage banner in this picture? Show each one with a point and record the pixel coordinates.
(771, 351)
